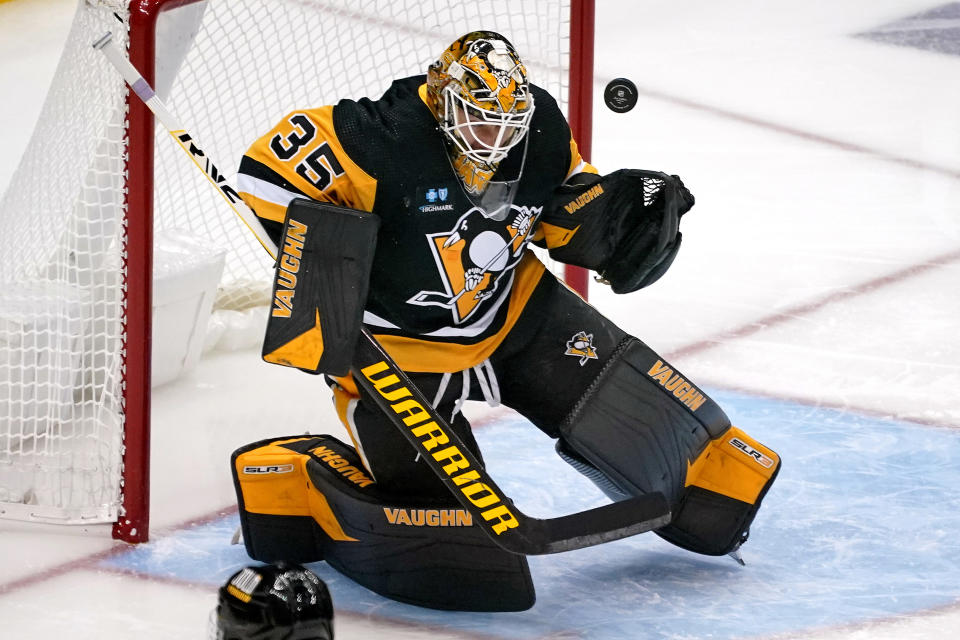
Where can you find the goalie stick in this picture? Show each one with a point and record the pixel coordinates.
(396, 395)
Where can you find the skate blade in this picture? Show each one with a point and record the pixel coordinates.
(736, 555)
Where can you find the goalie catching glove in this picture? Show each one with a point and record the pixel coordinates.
(624, 225)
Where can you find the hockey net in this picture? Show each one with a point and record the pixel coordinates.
(76, 268)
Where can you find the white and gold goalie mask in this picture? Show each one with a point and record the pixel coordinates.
(479, 92)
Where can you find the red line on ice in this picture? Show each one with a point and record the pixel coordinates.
(812, 306)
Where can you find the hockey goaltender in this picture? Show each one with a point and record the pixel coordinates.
(404, 224)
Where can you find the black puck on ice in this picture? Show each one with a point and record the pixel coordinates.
(620, 95)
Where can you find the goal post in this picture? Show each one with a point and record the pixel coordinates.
(100, 183)
(579, 105)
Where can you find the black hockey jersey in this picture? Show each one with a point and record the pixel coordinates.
(448, 282)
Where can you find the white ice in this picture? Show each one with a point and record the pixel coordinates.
(821, 265)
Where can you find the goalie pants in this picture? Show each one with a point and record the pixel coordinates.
(553, 354)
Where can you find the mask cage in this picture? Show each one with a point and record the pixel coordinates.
(483, 136)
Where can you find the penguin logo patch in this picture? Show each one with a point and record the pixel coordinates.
(581, 346)
(475, 256)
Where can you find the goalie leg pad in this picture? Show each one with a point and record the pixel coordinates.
(309, 498)
(725, 486)
(641, 420)
(645, 427)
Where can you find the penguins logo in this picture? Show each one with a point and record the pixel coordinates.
(581, 346)
(474, 257)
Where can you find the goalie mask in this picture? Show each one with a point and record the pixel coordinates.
(479, 93)
(273, 602)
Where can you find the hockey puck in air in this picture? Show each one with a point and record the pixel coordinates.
(620, 95)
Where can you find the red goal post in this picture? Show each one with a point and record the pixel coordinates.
(228, 69)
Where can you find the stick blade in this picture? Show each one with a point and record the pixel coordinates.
(591, 527)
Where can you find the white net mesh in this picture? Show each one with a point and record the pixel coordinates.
(60, 297)
(228, 70)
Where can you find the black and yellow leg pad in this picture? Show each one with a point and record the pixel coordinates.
(643, 426)
(309, 498)
(724, 488)
(640, 422)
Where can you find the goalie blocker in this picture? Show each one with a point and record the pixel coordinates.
(320, 287)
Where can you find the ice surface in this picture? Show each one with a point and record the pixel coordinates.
(822, 552)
